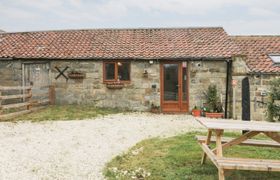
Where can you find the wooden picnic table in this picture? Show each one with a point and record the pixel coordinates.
(252, 129)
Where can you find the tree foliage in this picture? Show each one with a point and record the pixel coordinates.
(273, 108)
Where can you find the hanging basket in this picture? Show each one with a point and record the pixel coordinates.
(76, 75)
(115, 85)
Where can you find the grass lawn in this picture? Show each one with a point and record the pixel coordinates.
(178, 157)
(67, 112)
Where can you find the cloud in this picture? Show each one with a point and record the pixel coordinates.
(18, 15)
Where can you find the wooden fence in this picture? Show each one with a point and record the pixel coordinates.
(22, 101)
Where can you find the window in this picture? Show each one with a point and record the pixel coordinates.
(116, 71)
(275, 58)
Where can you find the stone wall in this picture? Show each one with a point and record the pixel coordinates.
(203, 74)
(259, 88)
(259, 91)
(136, 95)
(239, 72)
(139, 94)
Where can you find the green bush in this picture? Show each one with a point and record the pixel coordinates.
(212, 100)
(273, 109)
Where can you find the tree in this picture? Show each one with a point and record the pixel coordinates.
(273, 108)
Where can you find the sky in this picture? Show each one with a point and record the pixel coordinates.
(238, 17)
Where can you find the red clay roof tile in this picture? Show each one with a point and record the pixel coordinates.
(257, 49)
(119, 43)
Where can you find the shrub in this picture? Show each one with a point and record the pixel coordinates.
(273, 109)
(212, 99)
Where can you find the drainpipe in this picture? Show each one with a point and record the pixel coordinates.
(229, 66)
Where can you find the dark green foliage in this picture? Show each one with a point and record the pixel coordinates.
(273, 109)
(212, 99)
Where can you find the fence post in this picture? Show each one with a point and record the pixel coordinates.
(51, 95)
(29, 92)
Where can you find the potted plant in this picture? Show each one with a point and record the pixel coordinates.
(155, 108)
(213, 108)
(196, 111)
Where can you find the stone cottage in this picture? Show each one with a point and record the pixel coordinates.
(137, 68)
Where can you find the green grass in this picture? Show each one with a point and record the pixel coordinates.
(179, 158)
(67, 112)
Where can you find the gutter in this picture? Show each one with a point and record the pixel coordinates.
(191, 58)
(229, 69)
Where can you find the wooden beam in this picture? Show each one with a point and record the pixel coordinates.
(250, 142)
(249, 164)
(14, 114)
(10, 106)
(206, 142)
(273, 135)
(209, 153)
(219, 148)
(52, 95)
(15, 96)
(238, 140)
(219, 152)
(5, 88)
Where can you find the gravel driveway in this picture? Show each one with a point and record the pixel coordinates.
(78, 149)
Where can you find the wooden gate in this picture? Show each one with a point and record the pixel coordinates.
(37, 76)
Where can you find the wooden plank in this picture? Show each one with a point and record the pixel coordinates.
(239, 125)
(40, 102)
(15, 96)
(256, 161)
(40, 95)
(207, 141)
(249, 164)
(10, 106)
(14, 114)
(238, 140)
(209, 153)
(219, 147)
(219, 152)
(29, 106)
(221, 173)
(52, 95)
(273, 135)
(250, 142)
(5, 88)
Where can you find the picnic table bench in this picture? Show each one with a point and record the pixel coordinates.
(253, 128)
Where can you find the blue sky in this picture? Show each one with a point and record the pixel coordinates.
(236, 16)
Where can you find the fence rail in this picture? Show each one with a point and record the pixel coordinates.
(25, 103)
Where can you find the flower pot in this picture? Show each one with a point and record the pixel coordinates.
(196, 112)
(214, 115)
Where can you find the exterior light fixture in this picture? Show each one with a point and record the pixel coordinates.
(119, 64)
(151, 62)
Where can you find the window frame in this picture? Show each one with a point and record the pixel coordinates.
(116, 71)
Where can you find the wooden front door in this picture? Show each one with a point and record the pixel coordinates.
(174, 87)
